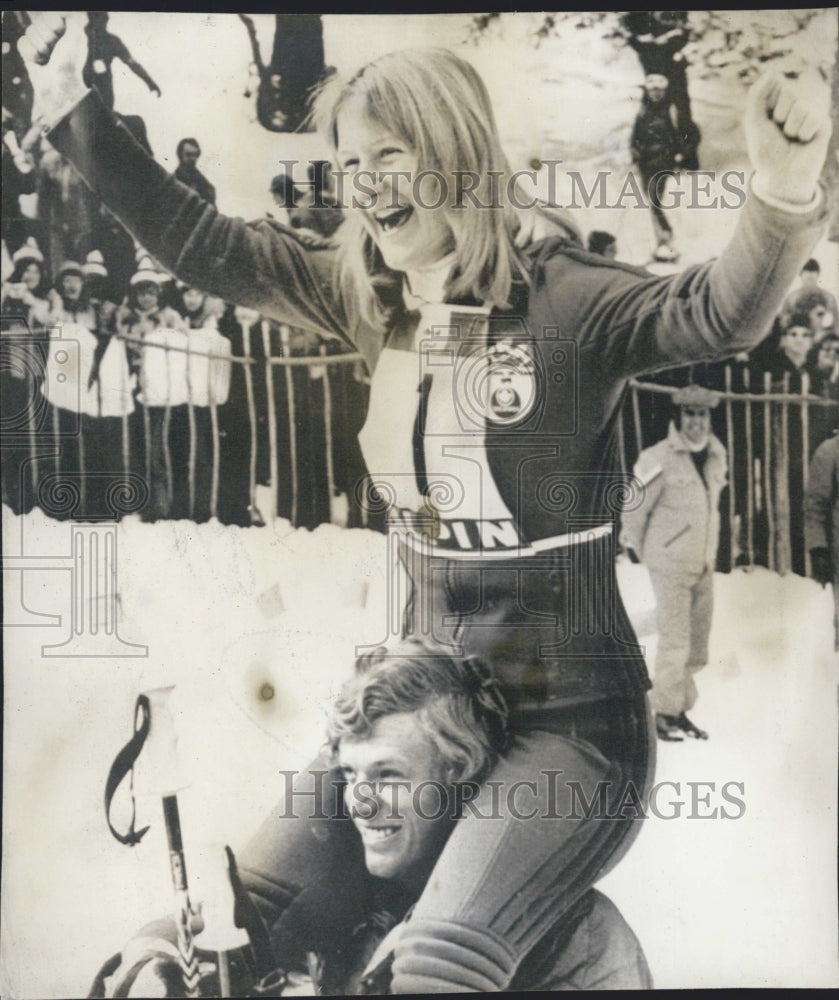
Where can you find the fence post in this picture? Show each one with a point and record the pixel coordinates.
(167, 458)
(31, 432)
(768, 476)
(782, 487)
(327, 422)
(636, 417)
(729, 433)
(805, 453)
(216, 457)
(56, 437)
(272, 418)
(285, 337)
(146, 422)
(193, 431)
(621, 444)
(81, 455)
(252, 418)
(750, 462)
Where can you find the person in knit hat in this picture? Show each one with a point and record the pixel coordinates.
(143, 311)
(96, 280)
(160, 434)
(199, 310)
(24, 295)
(69, 295)
(674, 531)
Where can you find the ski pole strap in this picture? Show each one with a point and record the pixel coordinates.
(124, 764)
(97, 989)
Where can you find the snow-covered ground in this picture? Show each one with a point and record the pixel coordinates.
(224, 611)
(745, 901)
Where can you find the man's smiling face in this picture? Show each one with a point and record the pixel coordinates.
(395, 788)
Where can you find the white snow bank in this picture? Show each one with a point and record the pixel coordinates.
(226, 611)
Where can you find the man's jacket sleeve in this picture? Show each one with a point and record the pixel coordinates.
(259, 264)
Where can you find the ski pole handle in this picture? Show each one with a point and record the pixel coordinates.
(183, 908)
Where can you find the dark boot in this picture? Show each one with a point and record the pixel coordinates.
(667, 728)
(684, 723)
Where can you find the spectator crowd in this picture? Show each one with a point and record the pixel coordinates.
(198, 398)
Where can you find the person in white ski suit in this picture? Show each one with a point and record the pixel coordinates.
(675, 532)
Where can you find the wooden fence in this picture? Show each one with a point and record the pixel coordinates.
(258, 420)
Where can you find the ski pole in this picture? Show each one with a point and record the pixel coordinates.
(229, 921)
(183, 908)
(160, 773)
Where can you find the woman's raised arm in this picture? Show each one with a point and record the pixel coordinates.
(260, 264)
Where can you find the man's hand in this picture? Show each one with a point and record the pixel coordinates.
(787, 130)
(54, 48)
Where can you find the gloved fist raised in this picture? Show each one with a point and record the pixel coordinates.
(41, 37)
(787, 124)
(54, 48)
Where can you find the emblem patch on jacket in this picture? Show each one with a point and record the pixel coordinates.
(501, 384)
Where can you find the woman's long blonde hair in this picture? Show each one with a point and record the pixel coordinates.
(439, 106)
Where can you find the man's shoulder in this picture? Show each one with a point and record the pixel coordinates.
(653, 461)
(594, 948)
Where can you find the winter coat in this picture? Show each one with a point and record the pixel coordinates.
(676, 526)
(655, 141)
(87, 367)
(180, 366)
(821, 502)
(600, 952)
(135, 325)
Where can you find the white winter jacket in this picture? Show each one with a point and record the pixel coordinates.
(676, 524)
